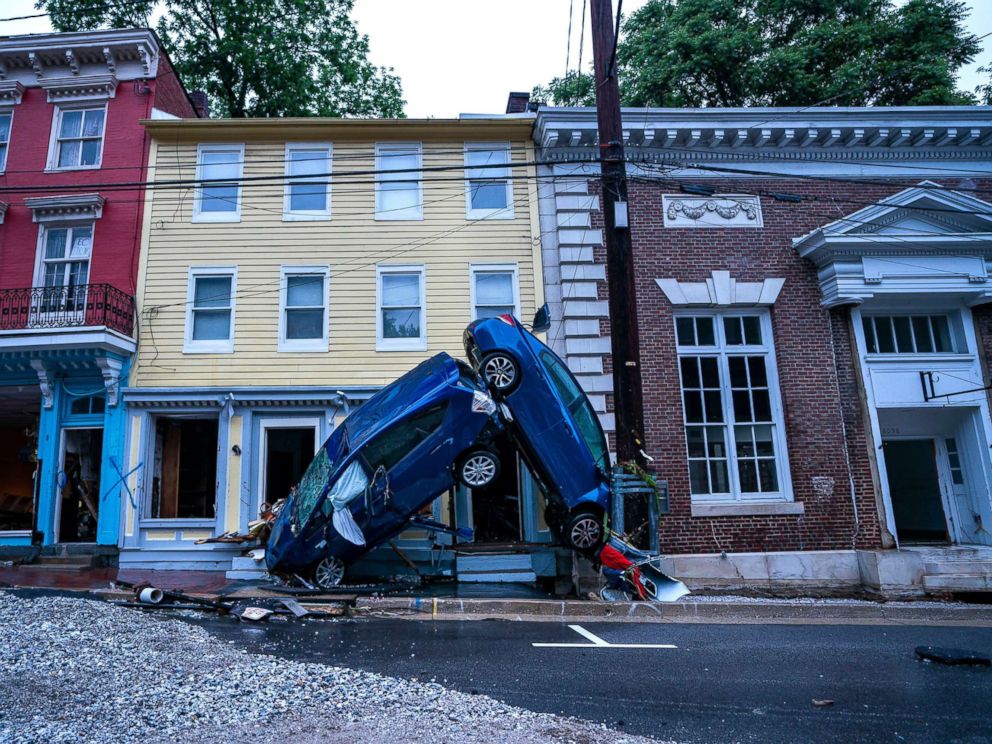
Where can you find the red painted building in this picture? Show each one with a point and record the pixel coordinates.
(70, 107)
(813, 297)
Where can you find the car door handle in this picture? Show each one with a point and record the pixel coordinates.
(447, 441)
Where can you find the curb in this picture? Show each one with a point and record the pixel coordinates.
(682, 611)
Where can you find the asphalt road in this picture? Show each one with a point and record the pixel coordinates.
(721, 683)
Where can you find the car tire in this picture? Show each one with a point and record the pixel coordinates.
(584, 531)
(328, 572)
(501, 372)
(478, 469)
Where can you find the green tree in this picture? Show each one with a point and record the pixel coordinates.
(574, 89)
(787, 53)
(984, 90)
(257, 57)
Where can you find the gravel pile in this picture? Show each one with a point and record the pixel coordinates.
(78, 670)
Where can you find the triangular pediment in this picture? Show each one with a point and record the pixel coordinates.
(926, 209)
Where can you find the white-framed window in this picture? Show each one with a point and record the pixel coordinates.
(77, 137)
(732, 408)
(488, 190)
(210, 310)
(495, 290)
(399, 195)
(303, 296)
(6, 117)
(401, 308)
(908, 334)
(65, 255)
(219, 201)
(308, 195)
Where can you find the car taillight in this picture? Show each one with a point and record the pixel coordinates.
(506, 318)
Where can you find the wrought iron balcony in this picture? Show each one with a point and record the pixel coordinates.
(66, 307)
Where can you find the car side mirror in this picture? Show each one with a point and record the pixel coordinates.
(542, 320)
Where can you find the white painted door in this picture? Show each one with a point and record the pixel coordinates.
(966, 521)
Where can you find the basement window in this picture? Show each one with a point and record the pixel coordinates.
(184, 479)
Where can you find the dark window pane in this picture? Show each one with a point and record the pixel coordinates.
(883, 330)
(715, 446)
(738, 372)
(91, 151)
(99, 404)
(704, 331)
(763, 441)
(742, 437)
(752, 330)
(714, 407)
(756, 365)
(80, 406)
(732, 329)
(749, 476)
(695, 441)
(762, 405)
(921, 327)
(690, 372)
(711, 374)
(870, 344)
(401, 323)
(769, 478)
(693, 407)
(698, 482)
(684, 331)
(742, 406)
(301, 324)
(718, 476)
(904, 338)
(942, 334)
(396, 443)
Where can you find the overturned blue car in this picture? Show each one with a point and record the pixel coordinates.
(384, 464)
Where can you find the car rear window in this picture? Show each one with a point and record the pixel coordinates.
(397, 442)
(578, 405)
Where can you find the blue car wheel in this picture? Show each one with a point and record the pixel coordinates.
(501, 371)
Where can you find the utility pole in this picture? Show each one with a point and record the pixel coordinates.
(624, 336)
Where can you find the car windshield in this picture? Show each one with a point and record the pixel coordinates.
(312, 486)
(578, 405)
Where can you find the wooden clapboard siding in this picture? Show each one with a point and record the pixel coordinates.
(351, 243)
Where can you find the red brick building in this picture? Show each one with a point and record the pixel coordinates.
(812, 293)
(71, 151)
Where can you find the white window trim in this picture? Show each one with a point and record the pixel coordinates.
(304, 215)
(216, 346)
(5, 110)
(735, 496)
(51, 164)
(414, 213)
(511, 268)
(234, 216)
(308, 344)
(400, 344)
(505, 213)
(69, 224)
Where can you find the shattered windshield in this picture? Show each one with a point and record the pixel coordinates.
(312, 485)
(578, 405)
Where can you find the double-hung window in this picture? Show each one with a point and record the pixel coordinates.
(398, 188)
(494, 290)
(210, 310)
(401, 323)
(308, 185)
(218, 173)
(5, 120)
(64, 269)
(731, 408)
(78, 139)
(488, 191)
(303, 308)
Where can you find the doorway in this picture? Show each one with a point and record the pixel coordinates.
(496, 508)
(288, 447)
(20, 409)
(914, 488)
(79, 484)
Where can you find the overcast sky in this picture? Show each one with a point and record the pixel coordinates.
(464, 56)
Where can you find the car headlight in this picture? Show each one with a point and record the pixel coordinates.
(482, 403)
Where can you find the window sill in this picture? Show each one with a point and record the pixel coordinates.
(229, 349)
(399, 217)
(489, 214)
(745, 509)
(149, 522)
(201, 219)
(70, 168)
(306, 216)
(414, 346)
(920, 357)
(318, 346)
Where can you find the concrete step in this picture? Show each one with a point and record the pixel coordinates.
(516, 568)
(958, 567)
(958, 583)
(250, 575)
(66, 562)
(245, 563)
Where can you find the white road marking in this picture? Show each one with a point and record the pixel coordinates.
(597, 642)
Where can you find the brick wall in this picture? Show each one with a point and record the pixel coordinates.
(813, 347)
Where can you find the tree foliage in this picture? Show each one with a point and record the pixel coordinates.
(257, 57)
(786, 53)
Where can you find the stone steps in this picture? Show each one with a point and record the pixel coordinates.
(244, 567)
(958, 582)
(958, 567)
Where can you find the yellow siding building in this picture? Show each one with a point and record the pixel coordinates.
(311, 262)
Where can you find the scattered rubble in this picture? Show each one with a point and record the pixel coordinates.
(78, 670)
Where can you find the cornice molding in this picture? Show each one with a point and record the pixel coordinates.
(11, 92)
(88, 88)
(65, 207)
(721, 290)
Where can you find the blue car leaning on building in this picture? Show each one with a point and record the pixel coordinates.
(552, 423)
(388, 460)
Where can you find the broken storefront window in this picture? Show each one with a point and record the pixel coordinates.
(184, 480)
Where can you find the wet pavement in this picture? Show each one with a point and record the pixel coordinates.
(52, 577)
(747, 683)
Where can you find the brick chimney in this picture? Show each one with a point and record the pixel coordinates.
(201, 104)
(517, 103)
